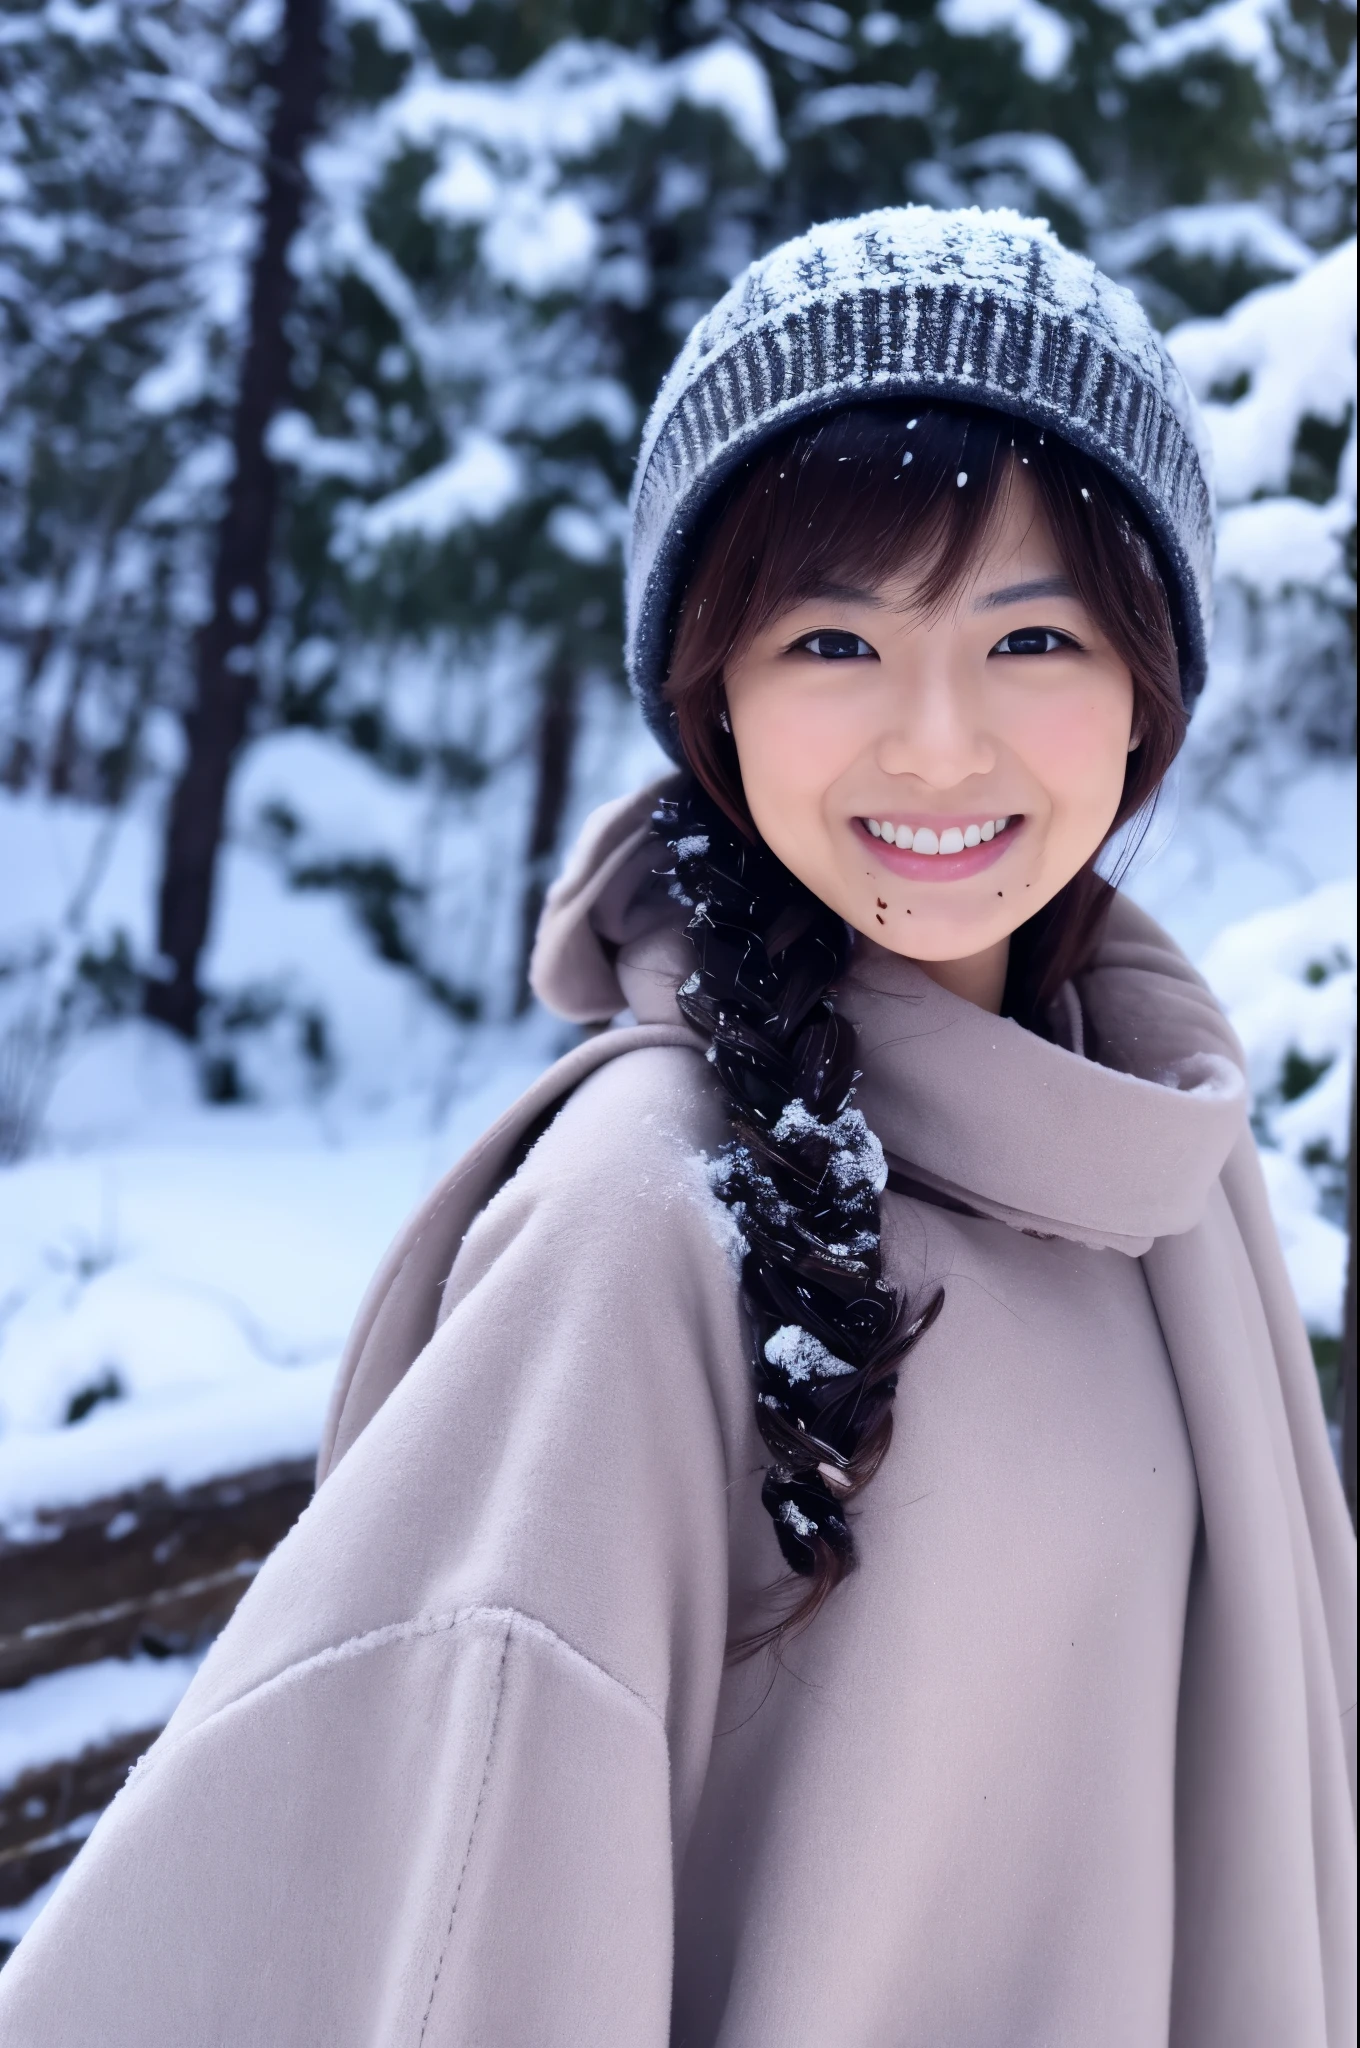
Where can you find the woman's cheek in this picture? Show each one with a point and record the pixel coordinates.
(1076, 746)
(790, 746)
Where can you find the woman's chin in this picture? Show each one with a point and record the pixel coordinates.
(917, 936)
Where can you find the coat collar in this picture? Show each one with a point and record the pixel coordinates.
(1114, 1149)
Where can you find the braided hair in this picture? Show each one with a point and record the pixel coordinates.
(802, 1174)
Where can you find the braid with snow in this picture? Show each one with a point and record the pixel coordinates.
(802, 1174)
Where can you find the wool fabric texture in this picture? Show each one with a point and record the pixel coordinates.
(911, 301)
(1066, 1759)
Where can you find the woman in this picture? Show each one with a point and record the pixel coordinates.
(826, 1531)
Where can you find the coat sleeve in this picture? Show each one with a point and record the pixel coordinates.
(431, 1784)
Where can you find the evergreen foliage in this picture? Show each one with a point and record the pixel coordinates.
(128, 172)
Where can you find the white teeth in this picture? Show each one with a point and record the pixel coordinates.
(925, 839)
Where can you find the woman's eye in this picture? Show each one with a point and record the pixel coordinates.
(828, 646)
(1033, 640)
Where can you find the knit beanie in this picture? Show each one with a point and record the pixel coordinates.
(987, 308)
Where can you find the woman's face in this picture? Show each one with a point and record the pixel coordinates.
(936, 780)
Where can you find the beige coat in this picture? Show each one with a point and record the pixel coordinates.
(1064, 1763)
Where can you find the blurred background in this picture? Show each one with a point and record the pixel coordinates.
(328, 331)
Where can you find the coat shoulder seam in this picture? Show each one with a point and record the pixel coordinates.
(512, 1619)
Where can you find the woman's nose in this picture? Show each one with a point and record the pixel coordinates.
(935, 733)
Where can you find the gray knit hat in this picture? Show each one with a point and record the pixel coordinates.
(984, 307)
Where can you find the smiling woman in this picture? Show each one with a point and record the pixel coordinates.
(931, 731)
(925, 665)
(894, 1289)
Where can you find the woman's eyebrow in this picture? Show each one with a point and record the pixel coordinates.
(1024, 593)
(841, 593)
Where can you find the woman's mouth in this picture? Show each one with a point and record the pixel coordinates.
(939, 849)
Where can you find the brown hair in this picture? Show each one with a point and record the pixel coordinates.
(856, 497)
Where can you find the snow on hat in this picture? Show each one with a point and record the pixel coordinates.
(988, 308)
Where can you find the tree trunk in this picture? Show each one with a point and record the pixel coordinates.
(674, 28)
(1348, 1332)
(554, 746)
(62, 774)
(19, 763)
(226, 653)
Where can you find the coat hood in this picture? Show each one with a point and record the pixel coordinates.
(1112, 1137)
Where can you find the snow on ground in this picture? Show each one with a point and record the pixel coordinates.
(188, 1280)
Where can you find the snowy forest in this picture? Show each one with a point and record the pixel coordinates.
(328, 331)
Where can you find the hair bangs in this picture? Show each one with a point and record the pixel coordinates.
(850, 501)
